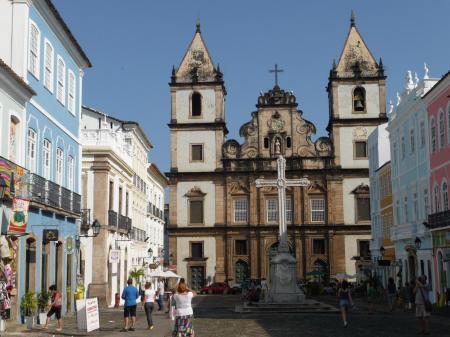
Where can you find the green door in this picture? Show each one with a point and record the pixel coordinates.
(241, 271)
(197, 277)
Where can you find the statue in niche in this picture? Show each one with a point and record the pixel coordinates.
(277, 146)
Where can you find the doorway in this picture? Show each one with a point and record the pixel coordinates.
(241, 271)
(197, 277)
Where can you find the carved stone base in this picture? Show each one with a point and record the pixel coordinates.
(283, 288)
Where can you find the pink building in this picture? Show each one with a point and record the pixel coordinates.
(437, 102)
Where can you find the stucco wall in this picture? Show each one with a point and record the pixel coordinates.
(348, 185)
(183, 106)
(345, 94)
(347, 137)
(184, 139)
(351, 249)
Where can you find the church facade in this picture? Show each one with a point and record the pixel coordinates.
(223, 228)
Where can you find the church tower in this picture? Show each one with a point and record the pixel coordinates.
(357, 100)
(197, 131)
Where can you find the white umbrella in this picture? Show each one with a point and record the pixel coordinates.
(171, 274)
(343, 276)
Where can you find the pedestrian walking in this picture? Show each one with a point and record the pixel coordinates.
(391, 293)
(160, 295)
(147, 304)
(183, 313)
(345, 301)
(423, 305)
(412, 296)
(371, 297)
(55, 308)
(130, 294)
(264, 290)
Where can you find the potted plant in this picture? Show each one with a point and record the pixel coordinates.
(29, 305)
(136, 274)
(43, 299)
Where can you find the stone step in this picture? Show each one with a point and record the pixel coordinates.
(308, 306)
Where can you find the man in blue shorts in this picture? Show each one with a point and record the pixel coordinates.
(130, 294)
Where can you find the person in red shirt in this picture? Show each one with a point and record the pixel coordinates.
(55, 308)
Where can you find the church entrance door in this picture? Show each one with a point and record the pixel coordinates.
(197, 277)
(241, 272)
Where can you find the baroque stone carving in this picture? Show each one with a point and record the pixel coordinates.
(276, 96)
(195, 192)
(324, 146)
(239, 187)
(231, 149)
(360, 133)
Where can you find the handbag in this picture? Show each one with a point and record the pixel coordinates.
(427, 303)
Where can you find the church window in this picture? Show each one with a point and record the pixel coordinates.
(359, 99)
(288, 142)
(318, 210)
(266, 143)
(272, 210)
(288, 210)
(422, 133)
(412, 140)
(364, 248)
(196, 212)
(240, 209)
(197, 250)
(34, 49)
(362, 208)
(360, 149)
(441, 130)
(196, 152)
(196, 104)
(241, 247)
(319, 246)
(433, 136)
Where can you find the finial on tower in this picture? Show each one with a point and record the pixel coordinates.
(391, 107)
(425, 72)
(197, 25)
(352, 19)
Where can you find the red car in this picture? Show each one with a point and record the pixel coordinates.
(217, 288)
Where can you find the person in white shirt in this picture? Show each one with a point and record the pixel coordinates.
(183, 313)
(161, 295)
(149, 298)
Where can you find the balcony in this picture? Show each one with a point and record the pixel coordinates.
(108, 138)
(112, 219)
(46, 192)
(438, 220)
(138, 234)
(124, 223)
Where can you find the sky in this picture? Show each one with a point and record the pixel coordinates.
(133, 45)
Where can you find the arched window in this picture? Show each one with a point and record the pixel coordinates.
(433, 136)
(444, 196)
(359, 99)
(34, 50)
(196, 104)
(266, 143)
(47, 158)
(59, 165)
(31, 150)
(441, 130)
(48, 65)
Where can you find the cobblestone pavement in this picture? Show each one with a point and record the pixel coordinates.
(215, 317)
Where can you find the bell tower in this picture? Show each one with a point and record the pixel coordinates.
(197, 123)
(357, 100)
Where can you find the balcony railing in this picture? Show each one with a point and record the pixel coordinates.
(47, 192)
(112, 219)
(124, 223)
(138, 234)
(108, 137)
(441, 219)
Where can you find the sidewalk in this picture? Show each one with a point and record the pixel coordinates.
(111, 322)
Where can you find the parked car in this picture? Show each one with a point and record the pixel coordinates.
(217, 288)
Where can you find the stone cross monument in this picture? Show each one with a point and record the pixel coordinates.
(283, 287)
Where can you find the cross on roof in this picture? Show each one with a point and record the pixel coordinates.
(276, 71)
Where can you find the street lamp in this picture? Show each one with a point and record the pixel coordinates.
(95, 228)
(3, 187)
(150, 252)
(382, 251)
(417, 243)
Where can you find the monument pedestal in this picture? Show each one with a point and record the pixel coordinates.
(283, 287)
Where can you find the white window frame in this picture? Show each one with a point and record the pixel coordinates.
(70, 171)
(412, 140)
(71, 92)
(425, 203)
(61, 82)
(37, 54)
(315, 204)
(433, 137)
(441, 122)
(422, 133)
(59, 165)
(271, 212)
(240, 210)
(289, 210)
(47, 159)
(444, 196)
(31, 149)
(49, 66)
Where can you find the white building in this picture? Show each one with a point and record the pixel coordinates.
(409, 139)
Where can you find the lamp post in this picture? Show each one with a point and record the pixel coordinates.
(418, 243)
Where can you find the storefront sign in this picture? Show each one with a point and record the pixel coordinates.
(19, 216)
(114, 256)
(88, 318)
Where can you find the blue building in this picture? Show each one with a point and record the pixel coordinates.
(45, 53)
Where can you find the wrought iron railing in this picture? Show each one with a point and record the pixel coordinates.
(112, 219)
(441, 219)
